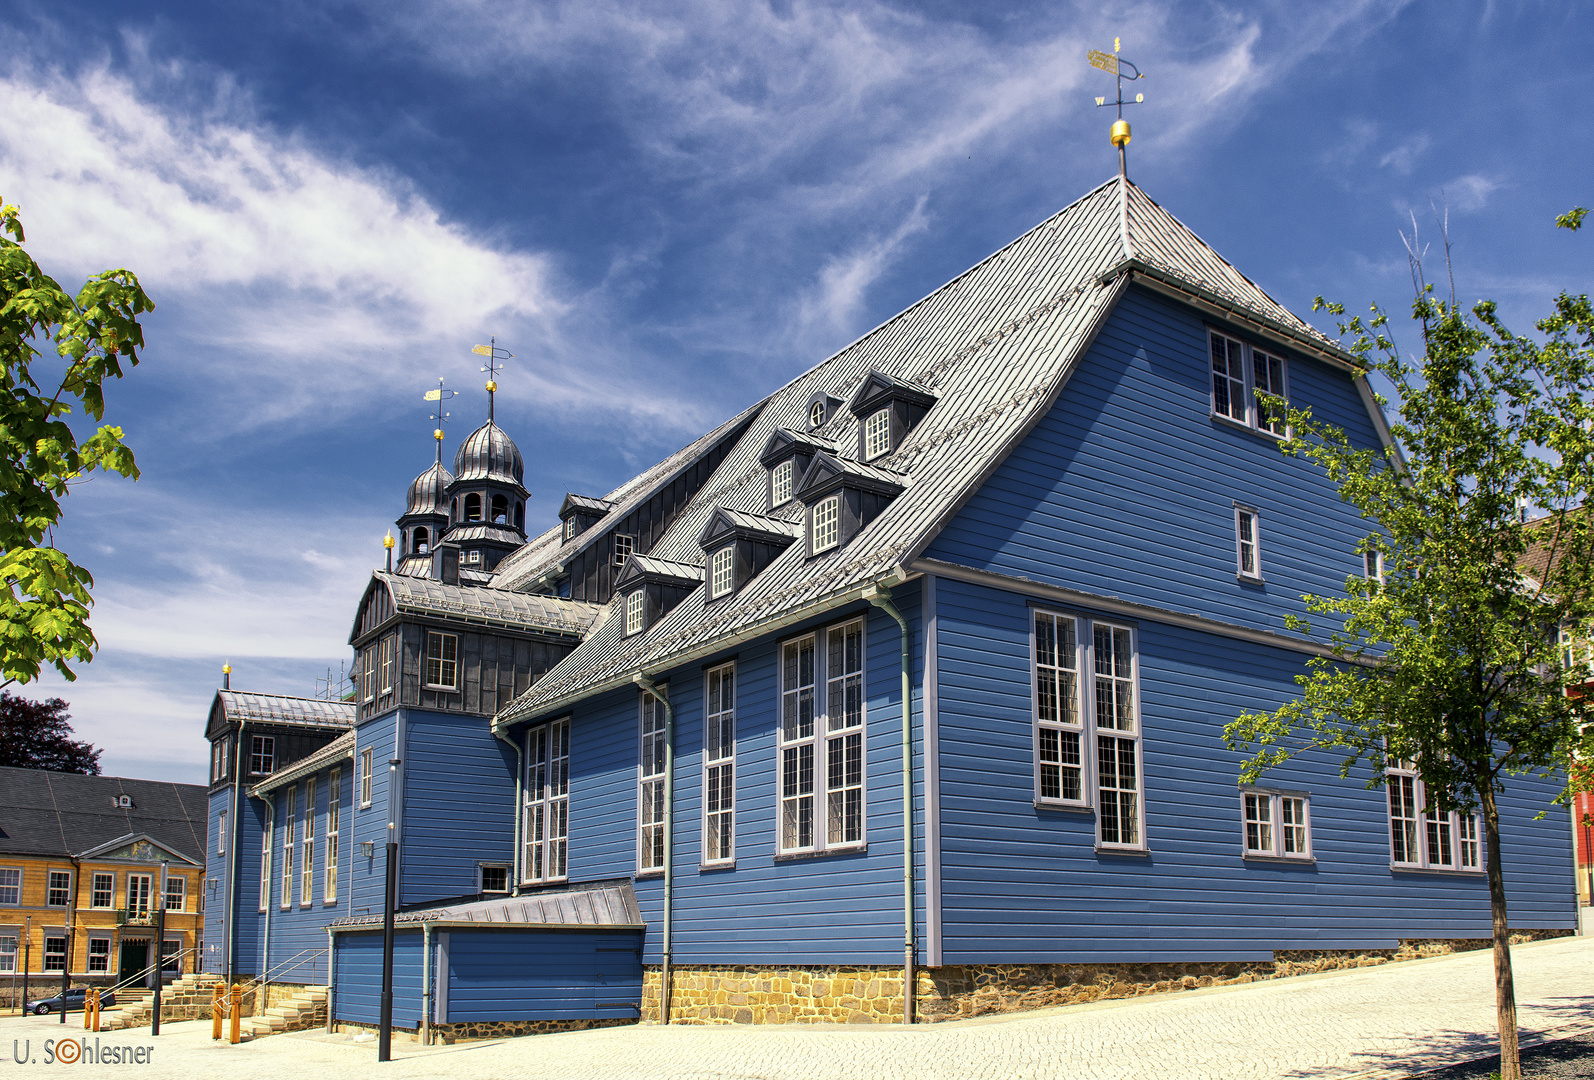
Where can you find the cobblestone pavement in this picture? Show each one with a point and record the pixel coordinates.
(1390, 1021)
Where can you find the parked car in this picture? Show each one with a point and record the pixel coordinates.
(71, 1001)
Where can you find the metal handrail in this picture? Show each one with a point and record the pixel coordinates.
(148, 970)
(294, 961)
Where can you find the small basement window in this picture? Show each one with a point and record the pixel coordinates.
(826, 530)
(634, 602)
(877, 434)
(719, 580)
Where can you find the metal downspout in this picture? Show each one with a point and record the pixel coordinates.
(265, 887)
(426, 984)
(332, 978)
(231, 934)
(880, 596)
(651, 688)
(520, 799)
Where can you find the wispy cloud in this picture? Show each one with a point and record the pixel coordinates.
(1469, 193)
(1403, 156)
(831, 308)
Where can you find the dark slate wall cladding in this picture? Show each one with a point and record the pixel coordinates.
(1127, 486)
(833, 909)
(494, 669)
(543, 975)
(459, 804)
(298, 933)
(357, 996)
(1193, 898)
(366, 875)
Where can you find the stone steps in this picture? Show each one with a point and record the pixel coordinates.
(305, 1010)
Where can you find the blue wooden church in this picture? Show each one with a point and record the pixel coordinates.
(899, 692)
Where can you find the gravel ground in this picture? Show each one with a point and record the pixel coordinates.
(1568, 1059)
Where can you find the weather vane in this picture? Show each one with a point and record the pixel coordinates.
(439, 417)
(493, 354)
(1114, 64)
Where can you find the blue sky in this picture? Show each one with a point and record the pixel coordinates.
(665, 211)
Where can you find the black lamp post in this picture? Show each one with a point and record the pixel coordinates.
(160, 953)
(384, 1044)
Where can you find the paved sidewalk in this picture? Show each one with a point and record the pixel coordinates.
(1378, 1022)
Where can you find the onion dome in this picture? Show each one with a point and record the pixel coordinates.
(489, 454)
(428, 494)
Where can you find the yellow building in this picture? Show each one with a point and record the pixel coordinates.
(81, 870)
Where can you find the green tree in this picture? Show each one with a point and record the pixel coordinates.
(38, 735)
(1452, 662)
(44, 608)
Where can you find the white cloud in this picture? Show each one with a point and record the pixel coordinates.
(1403, 156)
(837, 298)
(1470, 193)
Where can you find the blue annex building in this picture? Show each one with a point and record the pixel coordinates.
(923, 660)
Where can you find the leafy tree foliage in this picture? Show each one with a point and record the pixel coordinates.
(44, 605)
(38, 735)
(1452, 662)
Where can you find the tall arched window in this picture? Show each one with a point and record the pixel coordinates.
(520, 516)
(420, 543)
(500, 510)
(473, 507)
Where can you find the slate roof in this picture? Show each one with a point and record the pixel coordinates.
(490, 607)
(65, 814)
(995, 346)
(334, 751)
(283, 709)
(603, 905)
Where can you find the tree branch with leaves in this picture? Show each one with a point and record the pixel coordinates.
(1453, 664)
(44, 606)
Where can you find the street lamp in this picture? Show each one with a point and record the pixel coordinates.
(160, 952)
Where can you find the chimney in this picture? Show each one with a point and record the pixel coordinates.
(446, 563)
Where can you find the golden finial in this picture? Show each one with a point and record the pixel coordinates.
(388, 541)
(226, 669)
(437, 433)
(493, 354)
(1117, 66)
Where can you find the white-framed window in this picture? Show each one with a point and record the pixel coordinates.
(103, 894)
(569, 533)
(1277, 824)
(221, 833)
(826, 527)
(290, 822)
(1421, 836)
(781, 482)
(10, 885)
(329, 888)
(368, 662)
(442, 661)
(623, 547)
(1247, 543)
(821, 739)
(265, 859)
(389, 652)
(492, 878)
(546, 827)
(650, 782)
(262, 755)
(8, 951)
(139, 888)
(634, 607)
(307, 859)
(721, 568)
(719, 764)
(58, 888)
(365, 777)
(1239, 372)
(1059, 718)
(1087, 731)
(220, 751)
(99, 954)
(54, 952)
(1373, 566)
(877, 434)
(176, 892)
(816, 414)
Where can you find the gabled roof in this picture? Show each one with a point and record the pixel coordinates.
(334, 751)
(583, 504)
(878, 386)
(827, 468)
(783, 441)
(282, 709)
(666, 570)
(137, 847)
(67, 814)
(486, 606)
(995, 346)
(727, 522)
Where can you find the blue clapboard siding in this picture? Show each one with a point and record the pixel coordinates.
(246, 901)
(832, 909)
(1127, 486)
(459, 805)
(298, 933)
(543, 975)
(1026, 885)
(366, 877)
(357, 995)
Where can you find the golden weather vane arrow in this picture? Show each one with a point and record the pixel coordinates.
(493, 354)
(1116, 65)
(440, 395)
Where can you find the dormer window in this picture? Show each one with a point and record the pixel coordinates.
(826, 526)
(570, 530)
(720, 567)
(821, 407)
(816, 414)
(877, 434)
(780, 484)
(653, 587)
(634, 606)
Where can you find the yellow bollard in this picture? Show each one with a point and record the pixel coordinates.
(237, 1012)
(89, 997)
(218, 1009)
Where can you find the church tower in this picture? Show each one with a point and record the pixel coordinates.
(486, 499)
(425, 518)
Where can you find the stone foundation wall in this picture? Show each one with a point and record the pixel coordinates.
(470, 1031)
(873, 995)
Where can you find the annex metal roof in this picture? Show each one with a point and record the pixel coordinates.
(283, 709)
(492, 607)
(604, 905)
(68, 814)
(336, 750)
(995, 346)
